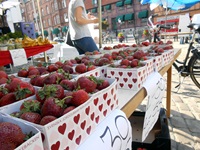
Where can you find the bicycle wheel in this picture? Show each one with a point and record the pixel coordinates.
(194, 68)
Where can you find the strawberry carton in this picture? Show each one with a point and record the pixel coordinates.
(149, 65)
(167, 56)
(33, 143)
(73, 128)
(157, 62)
(128, 78)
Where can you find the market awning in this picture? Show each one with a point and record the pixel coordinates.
(128, 2)
(143, 14)
(121, 17)
(120, 4)
(46, 33)
(94, 10)
(129, 17)
(64, 29)
(108, 7)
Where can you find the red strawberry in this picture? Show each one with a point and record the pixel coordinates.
(102, 84)
(134, 63)
(81, 68)
(22, 73)
(87, 83)
(6, 145)
(42, 70)
(68, 69)
(31, 117)
(33, 72)
(3, 80)
(78, 60)
(68, 97)
(73, 61)
(125, 62)
(68, 62)
(91, 67)
(47, 119)
(39, 81)
(3, 74)
(103, 61)
(138, 54)
(12, 133)
(67, 84)
(130, 58)
(59, 64)
(3, 91)
(68, 109)
(52, 68)
(53, 78)
(8, 99)
(79, 97)
(53, 107)
(14, 83)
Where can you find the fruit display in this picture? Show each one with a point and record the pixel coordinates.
(28, 42)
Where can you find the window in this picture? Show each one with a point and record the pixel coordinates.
(49, 21)
(54, 19)
(42, 10)
(47, 8)
(94, 2)
(52, 7)
(58, 19)
(55, 5)
(64, 4)
(44, 23)
(65, 17)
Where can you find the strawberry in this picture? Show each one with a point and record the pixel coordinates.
(67, 84)
(12, 86)
(125, 62)
(103, 61)
(81, 68)
(68, 69)
(6, 145)
(53, 106)
(12, 133)
(73, 61)
(134, 63)
(3, 74)
(68, 109)
(42, 70)
(91, 67)
(47, 119)
(78, 60)
(59, 64)
(68, 97)
(33, 72)
(22, 73)
(8, 99)
(87, 83)
(3, 91)
(3, 80)
(79, 97)
(68, 62)
(53, 78)
(138, 54)
(102, 84)
(52, 68)
(31, 117)
(130, 58)
(47, 91)
(108, 56)
(30, 68)
(30, 106)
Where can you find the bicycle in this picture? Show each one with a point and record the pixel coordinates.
(190, 66)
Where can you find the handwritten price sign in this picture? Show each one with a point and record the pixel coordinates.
(114, 133)
(18, 57)
(155, 86)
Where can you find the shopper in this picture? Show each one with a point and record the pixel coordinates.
(79, 29)
(156, 34)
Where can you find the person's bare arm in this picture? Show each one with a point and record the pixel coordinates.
(81, 20)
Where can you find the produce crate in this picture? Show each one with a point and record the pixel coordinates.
(128, 78)
(158, 138)
(73, 128)
(34, 143)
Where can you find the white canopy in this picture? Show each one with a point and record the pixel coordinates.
(8, 4)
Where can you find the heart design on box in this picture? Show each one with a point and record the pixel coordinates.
(96, 74)
(129, 74)
(130, 86)
(134, 80)
(67, 148)
(112, 106)
(105, 112)
(112, 91)
(76, 118)
(92, 116)
(78, 140)
(120, 73)
(108, 102)
(100, 107)
(112, 72)
(141, 78)
(115, 97)
(117, 78)
(121, 84)
(97, 119)
(96, 101)
(105, 75)
(83, 125)
(56, 146)
(102, 70)
(61, 128)
(87, 110)
(125, 79)
(147, 64)
(143, 71)
(117, 102)
(105, 96)
(71, 135)
(43, 137)
(139, 73)
(139, 85)
(88, 130)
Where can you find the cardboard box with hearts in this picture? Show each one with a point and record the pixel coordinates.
(73, 128)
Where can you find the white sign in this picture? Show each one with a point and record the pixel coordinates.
(18, 57)
(168, 18)
(155, 86)
(114, 133)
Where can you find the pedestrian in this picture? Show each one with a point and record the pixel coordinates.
(78, 27)
(156, 34)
